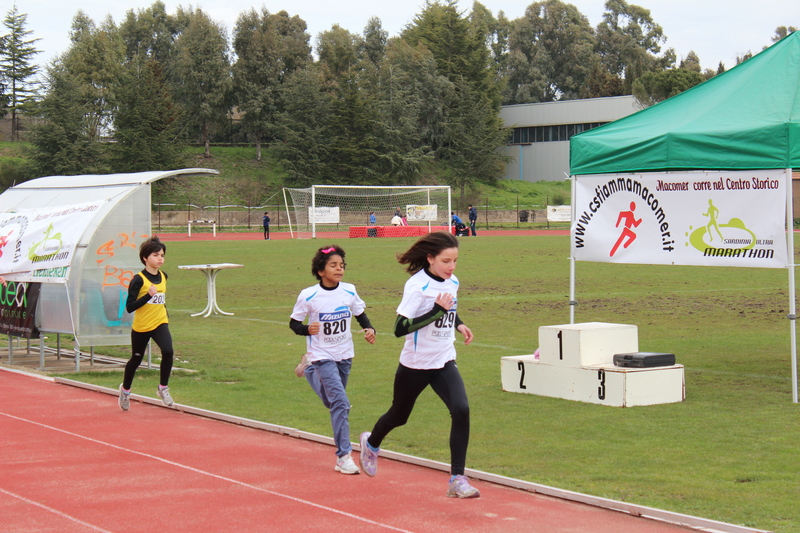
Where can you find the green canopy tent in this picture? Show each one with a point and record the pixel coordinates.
(743, 119)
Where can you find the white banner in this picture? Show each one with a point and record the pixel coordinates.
(421, 213)
(323, 215)
(559, 213)
(39, 244)
(706, 218)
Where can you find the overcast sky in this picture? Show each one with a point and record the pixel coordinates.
(716, 31)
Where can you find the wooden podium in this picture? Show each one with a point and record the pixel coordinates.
(576, 362)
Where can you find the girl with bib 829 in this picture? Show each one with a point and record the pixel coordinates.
(428, 319)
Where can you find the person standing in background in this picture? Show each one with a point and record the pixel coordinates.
(473, 219)
(265, 221)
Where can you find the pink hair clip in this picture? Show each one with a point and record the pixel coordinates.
(329, 250)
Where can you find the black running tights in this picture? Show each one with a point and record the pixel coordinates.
(139, 340)
(447, 384)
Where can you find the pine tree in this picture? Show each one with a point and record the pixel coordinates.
(94, 62)
(64, 144)
(146, 122)
(470, 142)
(302, 127)
(202, 74)
(268, 48)
(457, 45)
(16, 57)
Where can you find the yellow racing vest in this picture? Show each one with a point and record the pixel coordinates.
(153, 313)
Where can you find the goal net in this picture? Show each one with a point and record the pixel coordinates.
(337, 211)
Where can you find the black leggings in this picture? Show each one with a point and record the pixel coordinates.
(139, 340)
(447, 384)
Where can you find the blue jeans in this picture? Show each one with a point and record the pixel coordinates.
(329, 381)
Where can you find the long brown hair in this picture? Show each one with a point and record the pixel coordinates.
(431, 244)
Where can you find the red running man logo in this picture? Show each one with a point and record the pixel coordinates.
(627, 233)
(4, 241)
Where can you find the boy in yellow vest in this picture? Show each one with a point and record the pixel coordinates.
(147, 300)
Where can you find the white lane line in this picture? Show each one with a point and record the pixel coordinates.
(203, 472)
(54, 511)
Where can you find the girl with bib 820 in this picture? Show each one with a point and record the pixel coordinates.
(330, 307)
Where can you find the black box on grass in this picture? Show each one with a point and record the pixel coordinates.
(644, 359)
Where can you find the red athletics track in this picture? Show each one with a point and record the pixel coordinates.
(72, 461)
(258, 235)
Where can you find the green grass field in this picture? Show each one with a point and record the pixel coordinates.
(729, 452)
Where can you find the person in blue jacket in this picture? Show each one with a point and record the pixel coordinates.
(266, 220)
(473, 219)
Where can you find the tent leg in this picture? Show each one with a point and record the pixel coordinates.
(792, 302)
(41, 350)
(572, 301)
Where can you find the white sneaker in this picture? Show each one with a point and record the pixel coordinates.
(459, 487)
(124, 399)
(345, 465)
(165, 397)
(368, 458)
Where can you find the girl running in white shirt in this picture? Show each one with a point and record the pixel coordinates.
(330, 306)
(428, 318)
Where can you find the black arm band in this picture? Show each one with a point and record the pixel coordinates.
(298, 327)
(363, 321)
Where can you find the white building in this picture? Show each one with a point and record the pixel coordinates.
(540, 142)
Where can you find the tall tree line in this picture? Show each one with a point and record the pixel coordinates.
(368, 109)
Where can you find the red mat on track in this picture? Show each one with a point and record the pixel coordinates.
(72, 461)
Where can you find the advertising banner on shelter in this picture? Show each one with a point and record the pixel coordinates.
(42, 240)
(18, 309)
(704, 218)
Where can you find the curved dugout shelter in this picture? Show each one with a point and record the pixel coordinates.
(79, 237)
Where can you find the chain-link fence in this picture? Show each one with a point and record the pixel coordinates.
(174, 218)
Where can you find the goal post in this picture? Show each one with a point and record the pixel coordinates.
(338, 211)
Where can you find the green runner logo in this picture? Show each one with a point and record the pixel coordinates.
(47, 248)
(731, 236)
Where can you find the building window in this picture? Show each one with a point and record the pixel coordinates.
(560, 132)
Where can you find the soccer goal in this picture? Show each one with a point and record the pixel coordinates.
(337, 211)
